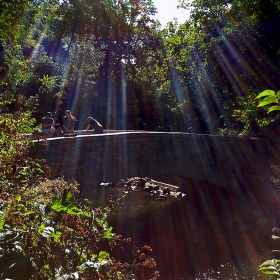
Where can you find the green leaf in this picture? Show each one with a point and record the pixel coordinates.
(274, 108)
(57, 206)
(2, 225)
(269, 267)
(267, 92)
(69, 198)
(103, 255)
(270, 272)
(73, 210)
(268, 100)
(41, 228)
(56, 235)
(108, 235)
(268, 263)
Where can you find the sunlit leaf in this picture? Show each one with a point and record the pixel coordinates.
(268, 263)
(56, 235)
(73, 210)
(103, 255)
(269, 267)
(267, 92)
(108, 235)
(270, 272)
(41, 228)
(268, 100)
(57, 206)
(274, 108)
(69, 198)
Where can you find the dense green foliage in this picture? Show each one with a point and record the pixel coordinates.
(112, 60)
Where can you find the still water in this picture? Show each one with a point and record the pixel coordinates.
(211, 233)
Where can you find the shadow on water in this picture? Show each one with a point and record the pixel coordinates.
(211, 233)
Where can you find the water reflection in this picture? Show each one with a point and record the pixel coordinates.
(211, 233)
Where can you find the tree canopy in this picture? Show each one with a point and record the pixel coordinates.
(112, 60)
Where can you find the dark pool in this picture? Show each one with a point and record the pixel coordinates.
(211, 233)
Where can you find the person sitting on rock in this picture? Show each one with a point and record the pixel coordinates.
(48, 125)
(68, 123)
(93, 124)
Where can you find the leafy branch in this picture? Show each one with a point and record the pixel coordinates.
(271, 267)
(270, 97)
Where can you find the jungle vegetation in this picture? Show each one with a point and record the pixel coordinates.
(112, 60)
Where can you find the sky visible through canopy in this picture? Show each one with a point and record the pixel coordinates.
(167, 11)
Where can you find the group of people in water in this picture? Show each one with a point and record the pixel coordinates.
(67, 127)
